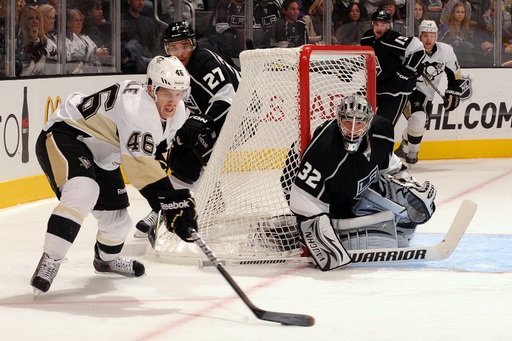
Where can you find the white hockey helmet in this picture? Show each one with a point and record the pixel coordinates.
(427, 26)
(167, 72)
(354, 117)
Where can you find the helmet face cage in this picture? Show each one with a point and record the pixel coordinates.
(177, 31)
(354, 119)
(167, 72)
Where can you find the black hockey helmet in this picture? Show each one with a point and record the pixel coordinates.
(179, 30)
(381, 15)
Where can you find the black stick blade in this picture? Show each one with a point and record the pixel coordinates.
(285, 318)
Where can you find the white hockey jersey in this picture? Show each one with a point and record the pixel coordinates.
(442, 60)
(121, 125)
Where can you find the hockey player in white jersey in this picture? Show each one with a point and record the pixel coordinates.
(350, 189)
(80, 150)
(440, 59)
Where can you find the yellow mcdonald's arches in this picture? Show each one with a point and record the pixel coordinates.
(50, 107)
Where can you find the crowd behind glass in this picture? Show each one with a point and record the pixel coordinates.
(56, 37)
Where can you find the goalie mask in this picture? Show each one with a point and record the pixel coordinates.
(167, 72)
(354, 117)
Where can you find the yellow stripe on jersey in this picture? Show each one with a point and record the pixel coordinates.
(57, 160)
(142, 171)
(99, 126)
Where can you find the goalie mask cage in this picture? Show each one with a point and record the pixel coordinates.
(284, 94)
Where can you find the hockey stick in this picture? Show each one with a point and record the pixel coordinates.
(283, 318)
(437, 252)
(429, 82)
(153, 230)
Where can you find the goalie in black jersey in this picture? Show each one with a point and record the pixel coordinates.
(213, 83)
(351, 192)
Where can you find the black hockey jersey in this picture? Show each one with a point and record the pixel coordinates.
(213, 84)
(331, 180)
(394, 52)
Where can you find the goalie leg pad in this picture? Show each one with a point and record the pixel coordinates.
(323, 244)
(374, 231)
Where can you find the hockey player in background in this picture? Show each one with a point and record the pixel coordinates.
(80, 150)
(399, 63)
(350, 189)
(439, 59)
(212, 89)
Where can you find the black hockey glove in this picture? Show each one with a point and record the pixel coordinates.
(195, 125)
(451, 99)
(180, 213)
(404, 81)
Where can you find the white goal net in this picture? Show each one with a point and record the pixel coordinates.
(283, 95)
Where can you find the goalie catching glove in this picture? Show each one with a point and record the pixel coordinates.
(417, 199)
(451, 99)
(180, 213)
(194, 126)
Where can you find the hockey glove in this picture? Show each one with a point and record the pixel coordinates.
(418, 199)
(451, 99)
(194, 126)
(180, 213)
(404, 81)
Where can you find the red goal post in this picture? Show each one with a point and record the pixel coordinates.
(304, 68)
(284, 94)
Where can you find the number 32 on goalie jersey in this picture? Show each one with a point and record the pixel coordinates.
(310, 175)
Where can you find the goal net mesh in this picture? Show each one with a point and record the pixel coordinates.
(241, 204)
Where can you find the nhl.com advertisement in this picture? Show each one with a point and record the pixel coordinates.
(485, 113)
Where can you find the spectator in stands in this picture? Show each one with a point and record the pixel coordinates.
(20, 4)
(420, 14)
(448, 9)
(289, 30)
(140, 35)
(484, 38)
(353, 27)
(85, 56)
(340, 12)
(266, 13)
(31, 43)
(478, 9)
(433, 5)
(229, 13)
(49, 15)
(396, 22)
(95, 25)
(371, 6)
(457, 33)
(314, 21)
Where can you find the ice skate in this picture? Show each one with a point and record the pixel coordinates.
(400, 152)
(411, 158)
(45, 273)
(121, 266)
(143, 226)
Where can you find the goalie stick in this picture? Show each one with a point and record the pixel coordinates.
(283, 318)
(437, 252)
